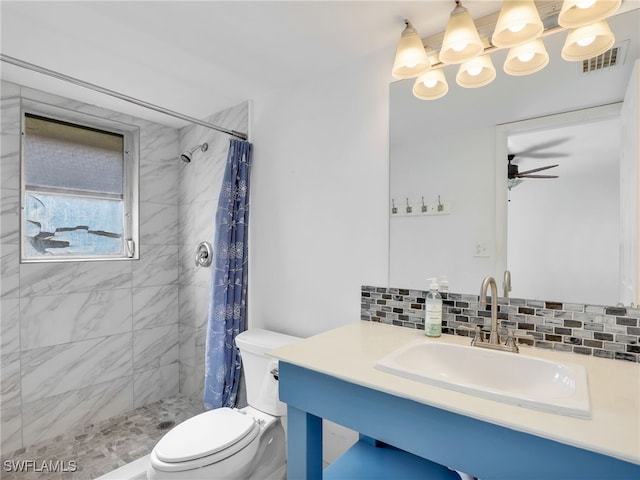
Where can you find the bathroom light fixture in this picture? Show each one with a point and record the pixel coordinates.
(518, 22)
(526, 59)
(476, 72)
(411, 58)
(461, 39)
(577, 13)
(187, 155)
(520, 26)
(431, 85)
(586, 42)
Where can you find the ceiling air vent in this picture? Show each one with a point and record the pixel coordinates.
(609, 59)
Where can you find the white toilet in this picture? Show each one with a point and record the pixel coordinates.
(225, 443)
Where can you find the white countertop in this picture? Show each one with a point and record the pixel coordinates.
(350, 352)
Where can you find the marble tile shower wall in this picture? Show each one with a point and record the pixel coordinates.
(200, 183)
(84, 341)
(601, 331)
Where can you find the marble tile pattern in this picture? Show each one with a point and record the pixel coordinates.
(199, 188)
(598, 330)
(102, 446)
(49, 371)
(70, 332)
(63, 412)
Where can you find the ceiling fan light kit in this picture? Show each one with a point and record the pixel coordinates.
(519, 27)
(516, 177)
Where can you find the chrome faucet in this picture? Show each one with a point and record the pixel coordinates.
(494, 338)
(510, 344)
(506, 284)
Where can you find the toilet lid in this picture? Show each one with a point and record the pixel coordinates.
(203, 435)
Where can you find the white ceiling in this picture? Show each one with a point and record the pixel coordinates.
(200, 57)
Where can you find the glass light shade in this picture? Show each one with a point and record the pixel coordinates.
(586, 42)
(518, 22)
(411, 59)
(431, 85)
(577, 13)
(476, 72)
(526, 59)
(461, 41)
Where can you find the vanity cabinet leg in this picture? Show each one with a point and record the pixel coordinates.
(304, 445)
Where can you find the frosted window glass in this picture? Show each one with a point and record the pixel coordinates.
(76, 200)
(59, 155)
(69, 225)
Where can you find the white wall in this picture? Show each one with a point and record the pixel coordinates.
(319, 222)
(319, 219)
(630, 188)
(564, 233)
(461, 169)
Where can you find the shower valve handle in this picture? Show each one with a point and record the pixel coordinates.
(204, 254)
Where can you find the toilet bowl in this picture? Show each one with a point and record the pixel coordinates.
(224, 443)
(232, 444)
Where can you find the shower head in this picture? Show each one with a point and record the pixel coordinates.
(187, 154)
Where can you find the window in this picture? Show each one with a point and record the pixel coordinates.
(79, 186)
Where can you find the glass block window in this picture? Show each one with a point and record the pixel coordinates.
(77, 191)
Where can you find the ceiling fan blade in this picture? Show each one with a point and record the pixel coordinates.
(542, 155)
(547, 144)
(537, 169)
(537, 176)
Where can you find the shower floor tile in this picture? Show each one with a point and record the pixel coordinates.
(99, 448)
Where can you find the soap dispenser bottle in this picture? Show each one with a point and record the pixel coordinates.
(444, 284)
(433, 311)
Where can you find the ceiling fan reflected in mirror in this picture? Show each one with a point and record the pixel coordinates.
(515, 176)
(513, 171)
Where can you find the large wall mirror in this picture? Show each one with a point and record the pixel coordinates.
(456, 149)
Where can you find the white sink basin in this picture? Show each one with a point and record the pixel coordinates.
(513, 378)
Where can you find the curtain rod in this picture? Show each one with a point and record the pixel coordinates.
(121, 96)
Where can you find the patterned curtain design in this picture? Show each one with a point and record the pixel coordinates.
(227, 308)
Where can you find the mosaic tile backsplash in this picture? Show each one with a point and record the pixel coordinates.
(601, 331)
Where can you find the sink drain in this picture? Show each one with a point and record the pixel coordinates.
(166, 425)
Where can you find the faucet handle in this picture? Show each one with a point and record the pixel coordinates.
(512, 336)
(479, 338)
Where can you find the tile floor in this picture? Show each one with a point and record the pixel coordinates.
(100, 448)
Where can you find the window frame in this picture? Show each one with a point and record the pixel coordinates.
(131, 170)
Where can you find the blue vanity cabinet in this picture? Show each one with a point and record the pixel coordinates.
(482, 449)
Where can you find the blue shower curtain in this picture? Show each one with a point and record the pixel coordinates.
(227, 307)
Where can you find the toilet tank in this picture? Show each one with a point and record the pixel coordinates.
(262, 386)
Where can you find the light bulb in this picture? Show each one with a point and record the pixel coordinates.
(430, 82)
(585, 3)
(474, 71)
(585, 42)
(526, 57)
(458, 47)
(516, 28)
